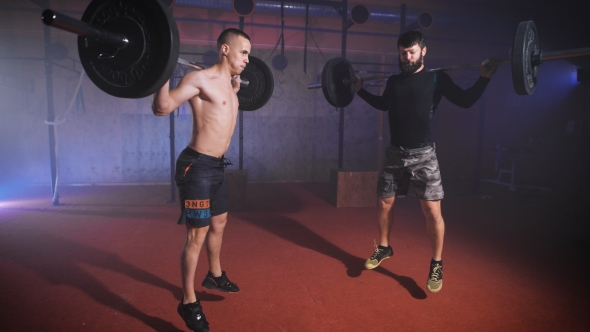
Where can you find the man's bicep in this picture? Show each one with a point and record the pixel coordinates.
(454, 93)
(185, 90)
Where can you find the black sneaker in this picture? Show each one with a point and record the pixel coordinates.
(220, 283)
(193, 316)
(434, 282)
(378, 256)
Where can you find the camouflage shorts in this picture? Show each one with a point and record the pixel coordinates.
(402, 166)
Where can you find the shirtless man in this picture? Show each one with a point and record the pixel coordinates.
(200, 167)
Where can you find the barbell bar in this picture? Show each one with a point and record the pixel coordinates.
(129, 49)
(338, 77)
(67, 23)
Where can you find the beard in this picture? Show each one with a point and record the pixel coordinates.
(411, 67)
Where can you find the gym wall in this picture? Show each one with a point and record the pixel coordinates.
(294, 137)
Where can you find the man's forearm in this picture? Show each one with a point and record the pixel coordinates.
(161, 100)
(371, 99)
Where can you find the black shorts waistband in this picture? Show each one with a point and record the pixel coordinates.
(413, 150)
(196, 154)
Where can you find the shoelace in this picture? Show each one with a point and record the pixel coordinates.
(435, 275)
(377, 250)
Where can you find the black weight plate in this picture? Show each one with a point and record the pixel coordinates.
(337, 93)
(359, 14)
(524, 71)
(260, 87)
(244, 7)
(149, 59)
(280, 62)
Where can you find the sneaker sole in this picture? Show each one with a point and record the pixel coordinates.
(434, 290)
(217, 288)
(378, 263)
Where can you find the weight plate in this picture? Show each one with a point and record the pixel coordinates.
(359, 14)
(524, 70)
(280, 62)
(260, 87)
(149, 59)
(334, 73)
(243, 7)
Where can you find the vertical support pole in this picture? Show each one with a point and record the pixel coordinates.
(172, 158)
(402, 18)
(172, 144)
(305, 39)
(341, 109)
(50, 114)
(241, 119)
(480, 129)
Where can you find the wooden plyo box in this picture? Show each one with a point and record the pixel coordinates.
(353, 189)
(237, 185)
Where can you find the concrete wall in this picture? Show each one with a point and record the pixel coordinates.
(294, 137)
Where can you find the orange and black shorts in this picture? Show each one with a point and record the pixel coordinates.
(203, 190)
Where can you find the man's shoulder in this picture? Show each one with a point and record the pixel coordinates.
(195, 78)
(394, 77)
(438, 73)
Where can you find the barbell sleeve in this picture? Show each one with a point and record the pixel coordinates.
(81, 28)
(571, 53)
(471, 65)
(346, 81)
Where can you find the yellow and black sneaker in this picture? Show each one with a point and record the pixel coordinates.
(434, 282)
(378, 256)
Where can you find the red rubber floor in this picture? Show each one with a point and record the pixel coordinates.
(108, 260)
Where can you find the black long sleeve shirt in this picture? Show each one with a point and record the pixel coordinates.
(411, 100)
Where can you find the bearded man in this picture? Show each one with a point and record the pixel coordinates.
(410, 99)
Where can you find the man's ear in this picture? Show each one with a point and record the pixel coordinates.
(224, 49)
(424, 51)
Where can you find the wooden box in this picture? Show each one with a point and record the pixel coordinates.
(353, 189)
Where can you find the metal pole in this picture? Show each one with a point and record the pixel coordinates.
(50, 114)
(172, 145)
(341, 109)
(480, 129)
(241, 119)
(571, 53)
(402, 18)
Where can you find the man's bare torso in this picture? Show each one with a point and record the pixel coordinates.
(215, 110)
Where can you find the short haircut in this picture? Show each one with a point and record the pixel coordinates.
(411, 38)
(227, 34)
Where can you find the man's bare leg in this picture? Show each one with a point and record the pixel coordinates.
(214, 240)
(383, 251)
(216, 278)
(385, 219)
(195, 237)
(435, 226)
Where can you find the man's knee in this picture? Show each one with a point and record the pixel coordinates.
(432, 210)
(218, 223)
(195, 236)
(386, 203)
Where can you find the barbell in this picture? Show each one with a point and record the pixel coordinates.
(129, 49)
(338, 77)
(243, 82)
